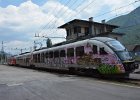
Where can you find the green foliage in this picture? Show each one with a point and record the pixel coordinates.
(107, 69)
(137, 58)
(49, 42)
(130, 25)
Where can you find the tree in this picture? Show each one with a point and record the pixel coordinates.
(49, 42)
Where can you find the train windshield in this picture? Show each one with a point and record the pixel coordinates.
(124, 55)
(120, 50)
(116, 45)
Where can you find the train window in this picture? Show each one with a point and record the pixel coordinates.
(46, 55)
(51, 54)
(35, 58)
(80, 51)
(42, 58)
(95, 51)
(56, 54)
(62, 53)
(38, 58)
(102, 51)
(70, 52)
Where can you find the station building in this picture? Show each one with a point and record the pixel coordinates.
(82, 29)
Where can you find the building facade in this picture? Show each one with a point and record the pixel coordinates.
(85, 29)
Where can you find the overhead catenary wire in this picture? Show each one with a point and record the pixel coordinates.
(105, 12)
(108, 11)
(65, 12)
(62, 14)
(42, 26)
(51, 21)
(79, 11)
(117, 9)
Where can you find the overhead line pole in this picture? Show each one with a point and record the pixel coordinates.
(3, 57)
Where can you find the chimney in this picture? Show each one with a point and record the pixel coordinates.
(103, 21)
(91, 19)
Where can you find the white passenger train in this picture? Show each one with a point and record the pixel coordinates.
(100, 54)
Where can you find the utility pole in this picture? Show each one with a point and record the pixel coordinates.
(21, 49)
(48, 40)
(2, 48)
(35, 45)
(2, 53)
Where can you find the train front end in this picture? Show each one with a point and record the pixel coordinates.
(124, 56)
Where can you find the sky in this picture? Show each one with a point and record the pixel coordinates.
(20, 20)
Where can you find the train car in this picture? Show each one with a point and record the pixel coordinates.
(23, 59)
(104, 55)
(11, 61)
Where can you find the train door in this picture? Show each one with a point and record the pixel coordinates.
(27, 61)
(46, 58)
(50, 59)
(63, 58)
(70, 56)
(80, 54)
(42, 57)
(56, 58)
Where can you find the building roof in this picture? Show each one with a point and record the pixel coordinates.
(132, 47)
(85, 21)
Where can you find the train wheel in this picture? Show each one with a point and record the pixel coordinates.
(72, 70)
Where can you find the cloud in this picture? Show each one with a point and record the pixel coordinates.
(25, 19)
(57, 9)
(17, 46)
(98, 7)
(18, 24)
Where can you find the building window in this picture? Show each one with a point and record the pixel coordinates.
(80, 51)
(70, 52)
(77, 29)
(68, 32)
(86, 30)
(95, 51)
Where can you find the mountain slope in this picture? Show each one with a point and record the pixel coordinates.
(130, 25)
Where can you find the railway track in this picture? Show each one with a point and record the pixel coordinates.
(127, 80)
(130, 81)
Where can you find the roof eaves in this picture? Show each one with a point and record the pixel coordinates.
(63, 26)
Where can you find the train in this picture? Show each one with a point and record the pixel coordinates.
(11, 61)
(102, 55)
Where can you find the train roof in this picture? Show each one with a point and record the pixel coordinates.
(23, 54)
(102, 39)
(68, 43)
